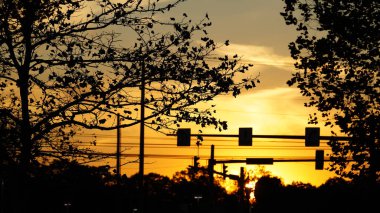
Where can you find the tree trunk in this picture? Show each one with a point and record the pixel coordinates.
(25, 133)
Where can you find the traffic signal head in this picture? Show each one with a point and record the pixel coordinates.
(245, 136)
(312, 136)
(319, 159)
(196, 162)
(224, 171)
(183, 137)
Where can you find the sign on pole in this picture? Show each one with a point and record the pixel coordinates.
(259, 161)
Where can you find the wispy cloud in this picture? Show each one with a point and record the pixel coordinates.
(259, 55)
(270, 111)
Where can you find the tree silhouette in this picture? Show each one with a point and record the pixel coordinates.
(301, 197)
(337, 54)
(335, 191)
(69, 65)
(95, 189)
(158, 194)
(268, 194)
(85, 188)
(194, 191)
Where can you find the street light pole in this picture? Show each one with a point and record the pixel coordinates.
(142, 133)
(118, 144)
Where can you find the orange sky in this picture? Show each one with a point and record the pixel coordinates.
(257, 33)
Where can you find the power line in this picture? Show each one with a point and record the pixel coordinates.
(188, 156)
(219, 148)
(283, 141)
(277, 137)
(288, 146)
(257, 143)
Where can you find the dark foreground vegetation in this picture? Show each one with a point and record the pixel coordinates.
(335, 195)
(70, 187)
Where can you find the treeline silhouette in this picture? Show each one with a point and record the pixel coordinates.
(335, 195)
(65, 186)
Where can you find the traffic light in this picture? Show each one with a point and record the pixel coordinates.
(319, 159)
(196, 162)
(312, 136)
(245, 136)
(183, 137)
(224, 171)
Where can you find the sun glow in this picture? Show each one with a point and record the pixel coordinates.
(251, 186)
(229, 185)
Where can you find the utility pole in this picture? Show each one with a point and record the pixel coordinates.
(118, 144)
(211, 164)
(242, 193)
(142, 133)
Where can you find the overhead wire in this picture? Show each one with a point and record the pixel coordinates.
(188, 156)
(219, 146)
(259, 144)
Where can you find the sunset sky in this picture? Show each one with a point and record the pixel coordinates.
(256, 32)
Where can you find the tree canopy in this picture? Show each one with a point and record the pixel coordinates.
(71, 64)
(337, 54)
